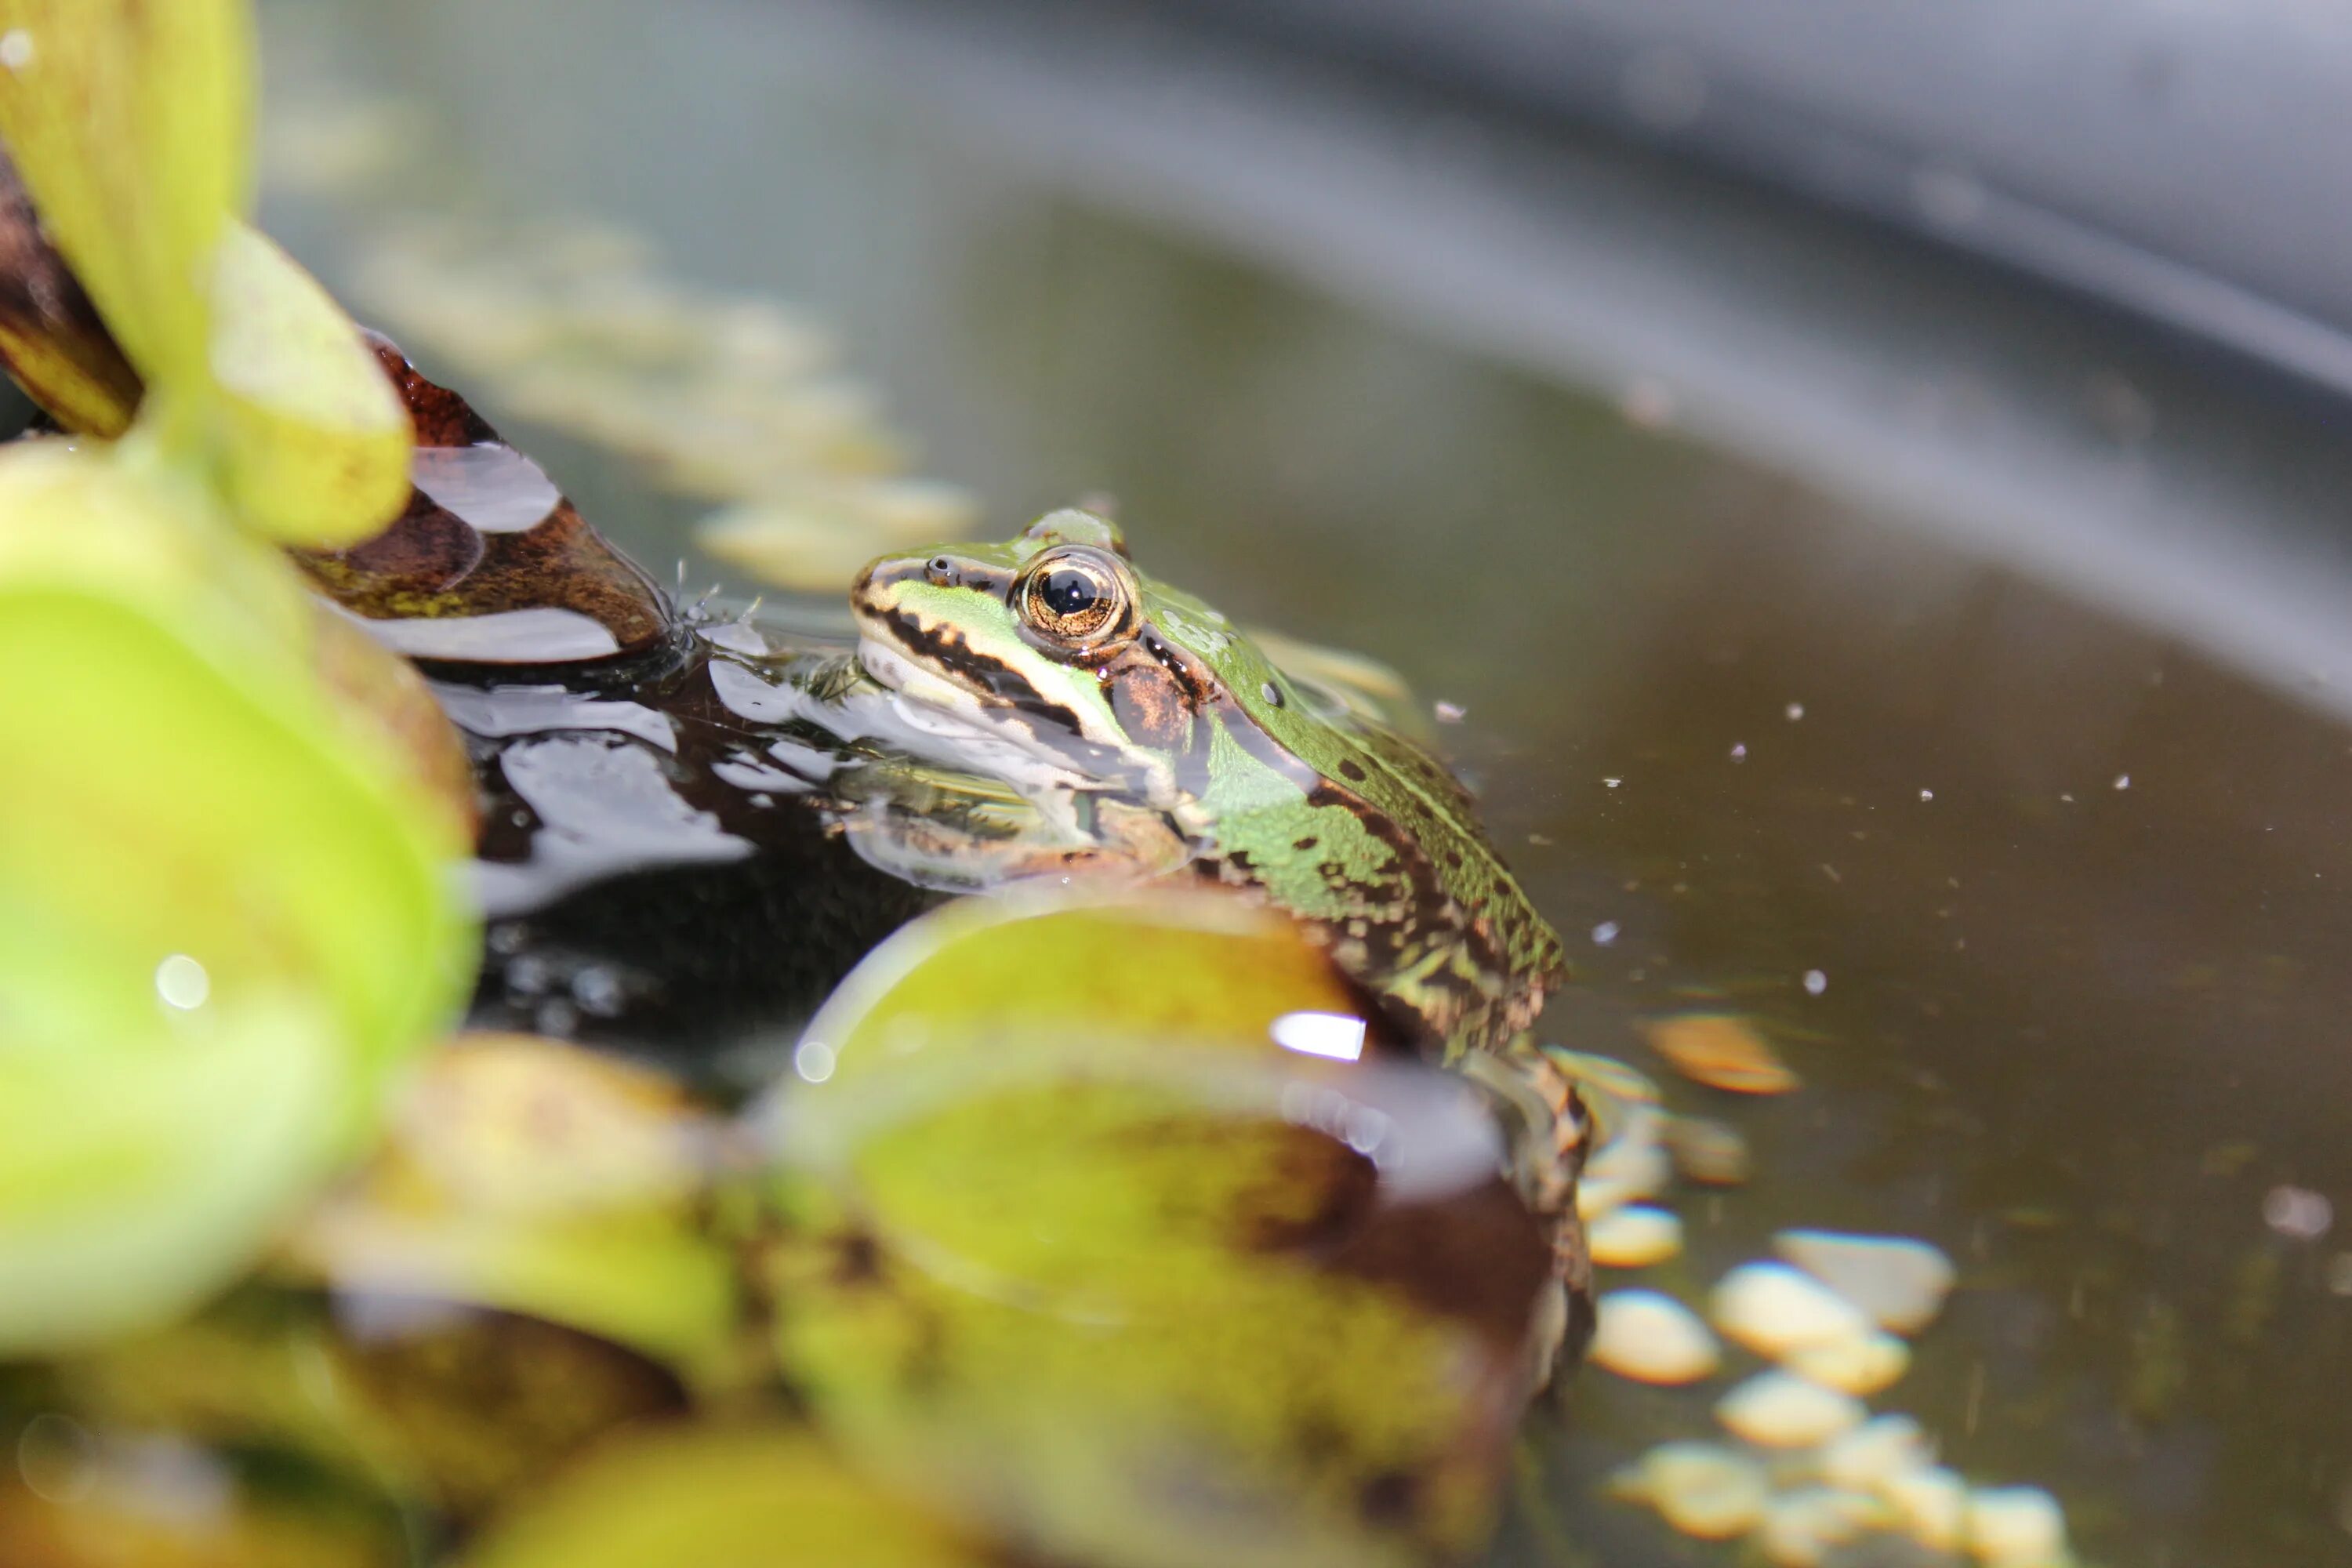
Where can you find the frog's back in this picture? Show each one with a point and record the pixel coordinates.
(1387, 860)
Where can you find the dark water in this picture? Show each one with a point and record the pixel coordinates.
(2076, 894)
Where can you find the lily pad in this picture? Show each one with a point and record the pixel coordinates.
(745, 1498)
(1084, 1256)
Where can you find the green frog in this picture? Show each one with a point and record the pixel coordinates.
(1134, 730)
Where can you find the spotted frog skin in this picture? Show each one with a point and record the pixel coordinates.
(1156, 734)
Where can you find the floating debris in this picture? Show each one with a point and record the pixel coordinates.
(1876, 1454)
(1862, 1366)
(1930, 1505)
(1781, 1410)
(1653, 1337)
(1899, 1282)
(1802, 1528)
(1776, 1310)
(1631, 1165)
(1722, 1051)
(1708, 1151)
(1704, 1489)
(2016, 1527)
(1634, 1237)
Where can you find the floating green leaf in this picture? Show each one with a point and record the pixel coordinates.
(532, 1176)
(1082, 1254)
(729, 1498)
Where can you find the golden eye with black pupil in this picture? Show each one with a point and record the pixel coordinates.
(1073, 598)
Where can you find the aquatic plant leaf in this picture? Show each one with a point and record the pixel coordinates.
(192, 843)
(530, 1176)
(314, 440)
(1080, 1252)
(108, 1501)
(741, 1498)
(131, 123)
(50, 337)
(139, 1170)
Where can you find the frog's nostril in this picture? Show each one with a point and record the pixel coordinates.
(942, 571)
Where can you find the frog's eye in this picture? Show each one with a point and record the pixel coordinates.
(1074, 596)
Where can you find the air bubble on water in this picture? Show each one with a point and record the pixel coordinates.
(15, 48)
(1451, 713)
(1815, 983)
(813, 1059)
(182, 982)
(1795, 711)
(556, 1018)
(1926, 795)
(507, 937)
(56, 1459)
(598, 991)
(528, 976)
(2298, 1213)
(1604, 934)
(1740, 753)
(1612, 783)
(2123, 781)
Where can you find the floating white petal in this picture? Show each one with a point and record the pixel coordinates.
(1900, 1282)
(1652, 1338)
(1776, 1310)
(1781, 1410)
(1634, 1237)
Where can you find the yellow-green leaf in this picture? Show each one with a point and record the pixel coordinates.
(720, 1498)
(314, 441)
(130, 121)
(532, 1177)
(1080, 1253)
(193, 852)
(140, 1162)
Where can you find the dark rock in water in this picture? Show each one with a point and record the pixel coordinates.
(489, 563)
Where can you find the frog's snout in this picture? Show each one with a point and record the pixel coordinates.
(877, 586)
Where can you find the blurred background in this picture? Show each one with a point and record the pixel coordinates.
(1870, 479)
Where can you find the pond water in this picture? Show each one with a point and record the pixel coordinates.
(2049, 909)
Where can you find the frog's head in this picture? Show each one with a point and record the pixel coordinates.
(1054, 640)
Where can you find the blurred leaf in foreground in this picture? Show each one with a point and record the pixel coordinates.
(724, 1498)
(130, 122)
(530, 1176)
(1080, 1253)
(221, 920)
(225, 908)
